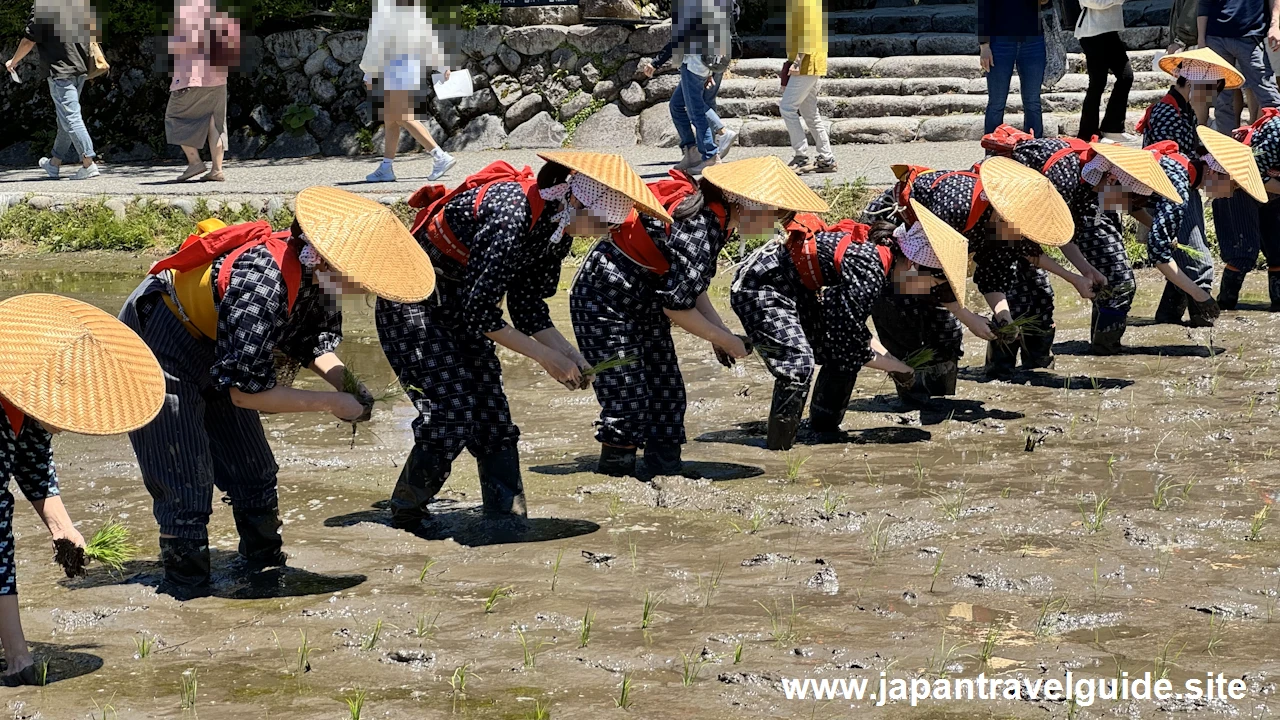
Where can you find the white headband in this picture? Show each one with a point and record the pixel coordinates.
(601, 200)
(915, 245)
(1213, 164)
(742, 202)
(1094, 171)
(309, 258)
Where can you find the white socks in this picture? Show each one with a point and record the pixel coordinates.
(439, 153)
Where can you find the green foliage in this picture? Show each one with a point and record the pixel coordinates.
(572, 125)
(296, 117)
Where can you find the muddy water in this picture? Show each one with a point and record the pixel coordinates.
(902, 549)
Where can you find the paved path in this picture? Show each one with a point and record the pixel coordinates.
(287, 177)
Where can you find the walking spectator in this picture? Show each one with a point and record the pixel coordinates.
(401, 43)
(197, 110)
(1182, 25)
(60, 31)
(1098, 30)
(1010, 35)
(721, 134)
(807, 54)
(1235, 30)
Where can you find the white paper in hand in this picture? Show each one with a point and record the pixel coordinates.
(457, 86)
(15, 77)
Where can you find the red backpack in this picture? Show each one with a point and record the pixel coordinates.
(1169, 149)
(1146, 117)
(432, 199)
(802, 246)
(224, 49)
(1002, 140)
(1245, 134)
(634, 241)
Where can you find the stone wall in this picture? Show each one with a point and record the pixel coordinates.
(301, 93)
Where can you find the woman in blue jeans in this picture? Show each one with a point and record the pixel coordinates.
(1011, 36)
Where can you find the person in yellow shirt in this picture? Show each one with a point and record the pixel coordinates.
(806, 64)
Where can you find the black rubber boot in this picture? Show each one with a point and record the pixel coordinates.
(1105, 333)
(186, 568)
(617, 461)
(1037, 349)
(1273, 289)
(501, 488)
(1229, 289)
(1002, 359)
(784, 415)
(831, 393)
(261, 544)
(938, 379)
(663, 458)
(1204, 314)
(420, 481)
(1173, 304)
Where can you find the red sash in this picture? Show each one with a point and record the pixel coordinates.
(1146, 117)
(198, 251)
(432, 199)
(802, 246)
(634, 241)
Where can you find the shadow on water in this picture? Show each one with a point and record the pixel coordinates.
(1079, 347)
(469, 526)
(693, 469)
(227, 583)
(66, 662)
(752, 434)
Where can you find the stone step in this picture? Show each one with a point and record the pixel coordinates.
(922, 106)
(928, 43)
(839, 87)
(964, 67)
(954, 18)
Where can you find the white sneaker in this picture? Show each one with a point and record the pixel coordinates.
(1122, 138)
(84, 173)
(384, 173)
(47, 165)
(725, 143)
(441, 166)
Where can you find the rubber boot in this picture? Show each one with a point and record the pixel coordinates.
(1273, 289)
(186, 568)
(661, 458)
(501, 488)
(1204, 314)
(1002, 359)
(616, 461)
(1229, 289)
(420, 481)
(784, 415)
(261, 544)
(1037, 350)
(938, 379)
(1173, 304)
(831, 393)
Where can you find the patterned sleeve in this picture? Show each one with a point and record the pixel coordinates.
(1167, 216)
(1166, 123)
(503, 218)
(33, 466)
(691, 247)
(315, 325)
(995, 266)
(251, 319)
(527, 297)
(1266, 148)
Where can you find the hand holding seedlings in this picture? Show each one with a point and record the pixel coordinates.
(112, 546)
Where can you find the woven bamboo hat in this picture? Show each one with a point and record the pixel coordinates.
(768, 181)
(1028, 201)
(1140, 165)
(365, 241)
(951, 248)
(76, 368)
(614, 172)
(1237, 159)
(1202, 65)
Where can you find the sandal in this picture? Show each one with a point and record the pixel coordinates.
(214, 176)
(29, 675)
(190, 172)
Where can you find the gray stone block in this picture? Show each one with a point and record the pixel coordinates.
(574, 105)
(406, 142)
(608, 128)
(564, 59)
(347, 47)
(536, 39)
(649, 39)
(322, 90)
(947, 44)
(509, 58)
(656, 128)
(344, 141)
(262, 117)
(540, 131)
(315, 63)
(117, 206)
(482, 40)
(605, 90)
(934, 86)
(244, 145)
(288, 145)
(660, 88)
(923, 67)
(597, 39)
(624, 9)
(522, 111)
(483, 133)
(507, 89)
(478, 103)
(885, 46)
(541, 15)
(632, 97)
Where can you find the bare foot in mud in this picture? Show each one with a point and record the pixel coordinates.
(70, 556)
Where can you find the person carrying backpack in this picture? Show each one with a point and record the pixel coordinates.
(630, 289)
(501, 234)
(197, 111)
(215, 313)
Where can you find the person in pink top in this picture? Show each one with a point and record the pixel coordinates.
(197, 110)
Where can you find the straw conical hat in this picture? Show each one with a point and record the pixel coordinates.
(1027, 200)
(365, 241)
(1237, 159)
(614, 172)
(1140, 165)
(1213, 65)
(951, 248)
(76, 368)
(768, 181)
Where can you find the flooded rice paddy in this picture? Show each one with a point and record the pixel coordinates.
(1104, 517)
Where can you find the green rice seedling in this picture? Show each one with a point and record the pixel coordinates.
(1021, 325)
(1193, 253)
(919, 470)
(355, 704)
(1098, 585)
(794, 465)
(878, 540)
(111, 545)
(1217, 626)
(615, 507)
(691, 667)
(371, 641)
(497, 594)
(1049, 611)
(1162, 565)
(190, 686)
(752, 525)
(937, 569)
(1167, 660)
(1160, 497)
(651, 603)
(1253, 402)
(426, 627)
(304, 656)
(42, 673)
(737, 653)
(1109, 291)
(951, 507)
(632, 549)
(1259, 520)
(624, 692)
(782, 623)
(1095, 517)
(611, 363)
(426, 567)
(461, 676)
(108, 711)
(584, 631)
(830, 503)
(941, 660)
(555, 569)
(920, 358)
(988, 645)
(530, 651)
(143, 645)
(711, 583)
(540, 711)
(872, 479)
(1073, 709)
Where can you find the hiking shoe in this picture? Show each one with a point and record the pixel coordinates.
(691, 157)
(725, 142)
(442, 165)
(697, 169)
(825, 165)
(84, 173)
(384, 173)
(800, 163)
(47, 165)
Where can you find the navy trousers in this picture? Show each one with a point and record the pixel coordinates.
(1244, 229)
(1101, 241)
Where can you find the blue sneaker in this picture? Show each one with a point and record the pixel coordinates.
(384, 173)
